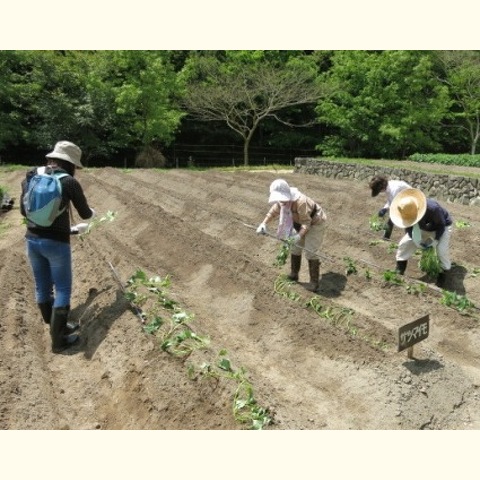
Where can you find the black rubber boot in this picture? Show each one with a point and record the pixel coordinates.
(58, 330)
(401, 266)
(46, 311)
(314, 270)
(295, 262)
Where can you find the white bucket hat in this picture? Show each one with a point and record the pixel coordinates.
(67, 151)
(280, 191)
(408, 207)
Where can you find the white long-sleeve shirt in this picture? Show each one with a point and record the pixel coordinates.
(393, 188)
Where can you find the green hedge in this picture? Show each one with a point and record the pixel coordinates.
(465, 160)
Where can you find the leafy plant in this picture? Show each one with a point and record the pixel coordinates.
(462, 224)
(108, 217)
(245, 407)
(392, 276)
(416, 289)
(351, 267)
(475, 272)
(392, 247)
(178, 338)
(429, 262)
(282, 255)
(281, 285)
(456, 301)
(376, 223)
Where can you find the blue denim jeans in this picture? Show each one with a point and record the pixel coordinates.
(51, 263)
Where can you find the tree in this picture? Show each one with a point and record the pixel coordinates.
(243, 88)
(461, 73)
(387, 104)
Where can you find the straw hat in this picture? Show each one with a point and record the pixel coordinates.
(67, 151)
(408, 207)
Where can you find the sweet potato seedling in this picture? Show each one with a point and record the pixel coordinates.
(429, 263)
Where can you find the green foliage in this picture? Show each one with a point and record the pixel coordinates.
(386, 104)
(177, 337)
(391, 276)
(462, 224)
(243, 88)
(416, 289)
(351, 267)
(245, 406)
(429, 262)
(97, 221)
(458, 302)
(465, 160)
(281, 287)
(283, 253)
(376, 223)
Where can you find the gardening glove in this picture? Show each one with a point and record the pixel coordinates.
(262, 229)
(428, 243)
(79, 229)
(382, 212)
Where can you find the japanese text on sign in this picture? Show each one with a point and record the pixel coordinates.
(413, 332)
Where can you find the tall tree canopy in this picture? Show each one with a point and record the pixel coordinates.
(461, 73)
(246, 87)
(387, 104)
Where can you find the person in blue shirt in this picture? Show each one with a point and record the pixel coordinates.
(427, 225)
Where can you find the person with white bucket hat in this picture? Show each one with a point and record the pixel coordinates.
(427, 225)
(301, 219)
(48, 248)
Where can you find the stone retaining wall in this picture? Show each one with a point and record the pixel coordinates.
(449, 188)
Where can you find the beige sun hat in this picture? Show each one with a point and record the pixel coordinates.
(408, 207)
(279, 191)
(68, 151)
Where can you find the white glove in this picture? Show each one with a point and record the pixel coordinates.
(79, 228)
(262, 229)
(94, 213)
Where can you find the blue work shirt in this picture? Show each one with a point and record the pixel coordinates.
(436, 219)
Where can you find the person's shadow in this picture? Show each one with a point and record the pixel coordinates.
(455, 279)
(331, 284)
(95, 322)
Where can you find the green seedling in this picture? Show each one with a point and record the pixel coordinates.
(391, 276)
(429, 262)
(376, 223)
(281, 287)
(108, 217)
(416, 289)
(475, 272)
(368, 274)
(458, 302)
(153, 325)
(245, 407)
(284, 252)
(392, 247)
(462, 224)
(351, 267)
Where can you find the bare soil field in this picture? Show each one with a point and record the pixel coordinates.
(333, 368)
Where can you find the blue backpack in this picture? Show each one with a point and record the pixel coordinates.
(43, 197)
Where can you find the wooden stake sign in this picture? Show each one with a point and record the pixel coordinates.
(412, 333)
